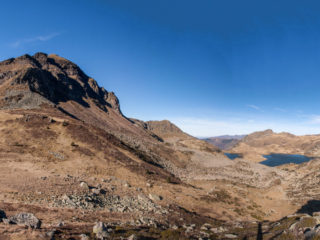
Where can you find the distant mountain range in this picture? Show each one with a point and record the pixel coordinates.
(224, 142)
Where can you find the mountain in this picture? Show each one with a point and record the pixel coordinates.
(71, 158)
(224, 142)
(255, 145)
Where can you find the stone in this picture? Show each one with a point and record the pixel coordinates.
(2, 215)
(230, 236)
(155, 197)
(84, 185)
(99, 227)
(25, 219)
(84, 237)
(309, 234)
(133, 237)
(206, 227)
(102, 235)
(50, 235)
(60, 224)
(95, 191)
(293, 226)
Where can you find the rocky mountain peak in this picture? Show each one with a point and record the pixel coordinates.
(30, 81)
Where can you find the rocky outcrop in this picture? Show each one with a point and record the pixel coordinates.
(49, 79)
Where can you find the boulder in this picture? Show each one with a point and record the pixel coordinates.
(50, 235)
(95, 191)
(101, 231)
(230, 236)
(316, 214)
(103, 235)
(84, 237)
(133, 237)
(2, 215)
(25, 219)
(155, 197)
(99, 227)
(84, 185)
(309, 234)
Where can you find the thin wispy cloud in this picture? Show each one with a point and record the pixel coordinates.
(41, 38)
(254, 107)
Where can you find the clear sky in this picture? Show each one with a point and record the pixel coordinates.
(212, 67)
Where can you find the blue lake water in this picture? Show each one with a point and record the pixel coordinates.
(279, 159)
(232, 155)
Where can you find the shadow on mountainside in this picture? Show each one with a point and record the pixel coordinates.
(310, 207)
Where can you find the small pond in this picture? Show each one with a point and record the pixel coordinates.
(277, 159)
(232, 156)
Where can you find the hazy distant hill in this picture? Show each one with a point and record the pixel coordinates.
(225, 141)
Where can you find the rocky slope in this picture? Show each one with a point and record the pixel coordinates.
(70, 158)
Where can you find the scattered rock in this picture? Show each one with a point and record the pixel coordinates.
(109, 202)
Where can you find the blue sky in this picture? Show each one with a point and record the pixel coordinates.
(211, 67)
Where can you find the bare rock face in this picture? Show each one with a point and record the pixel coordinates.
(30, 81)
